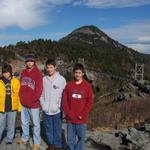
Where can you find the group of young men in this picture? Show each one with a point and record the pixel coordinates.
(33, 92)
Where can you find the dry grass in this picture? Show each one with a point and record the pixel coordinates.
(120, 114)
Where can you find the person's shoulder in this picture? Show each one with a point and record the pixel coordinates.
(86, 83)
(38, 71)
(62, 77)
(70, 83)
(15, 79)
(36, 68)
(1, 80)
(45, 77)
(23, 70)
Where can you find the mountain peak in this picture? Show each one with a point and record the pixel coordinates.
(87, 30)
(87, 34)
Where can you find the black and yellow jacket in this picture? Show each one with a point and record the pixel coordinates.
(15, 86)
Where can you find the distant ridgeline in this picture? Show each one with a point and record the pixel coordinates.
(98, 50)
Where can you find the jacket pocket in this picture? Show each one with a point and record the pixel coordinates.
(54, 107)
(45, 107)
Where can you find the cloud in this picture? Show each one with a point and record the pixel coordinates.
(58, 34)
(52, 36)
(143, 48)
(135, 35)
(144, 39)
(27, 13)
(113, 3)
(14, 37)
(76, 3)
(6, 39)
(56, 2)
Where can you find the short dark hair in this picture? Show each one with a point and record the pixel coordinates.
(51, 62)
(7, 68)
(78, 67)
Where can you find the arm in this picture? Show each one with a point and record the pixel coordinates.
(42, 98)
(88, 105)
(38, 87)
(65, 105)
(17, 95)
(61, 96)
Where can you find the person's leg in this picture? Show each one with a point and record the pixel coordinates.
(25, 119)
(2, 124)
(11, 120)
(35, 115)
(57, 130)
(81, 130)
(71, 136)
(48, 128)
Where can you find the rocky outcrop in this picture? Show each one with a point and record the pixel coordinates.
(126, 139)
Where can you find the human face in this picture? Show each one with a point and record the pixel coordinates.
(29, 64)
(78, 75)
(7, 75)
(51, 70)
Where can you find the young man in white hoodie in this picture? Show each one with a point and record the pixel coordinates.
(53, 86)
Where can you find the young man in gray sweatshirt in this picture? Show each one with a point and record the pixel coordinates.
(53, 86)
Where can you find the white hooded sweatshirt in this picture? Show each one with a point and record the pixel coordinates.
(52, 94)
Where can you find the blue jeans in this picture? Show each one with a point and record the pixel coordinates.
(76, 136)
(8, 120)
(34, 115)
(53, 129)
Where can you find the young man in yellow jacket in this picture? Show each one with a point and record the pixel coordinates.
(9, 103)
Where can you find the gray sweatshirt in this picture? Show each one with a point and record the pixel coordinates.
(52, 94)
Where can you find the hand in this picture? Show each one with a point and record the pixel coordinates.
(80, 117)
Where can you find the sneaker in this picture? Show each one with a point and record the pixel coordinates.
(50, 147)
(36, 147)
(21, 142)
(8, 143)
(58, 148)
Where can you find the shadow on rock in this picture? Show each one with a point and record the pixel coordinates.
(91, 143)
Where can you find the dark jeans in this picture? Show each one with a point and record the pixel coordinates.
(53, 129)
(76, 136)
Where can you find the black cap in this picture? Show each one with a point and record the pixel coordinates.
(30, 57)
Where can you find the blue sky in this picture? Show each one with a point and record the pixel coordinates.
(127, 21)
